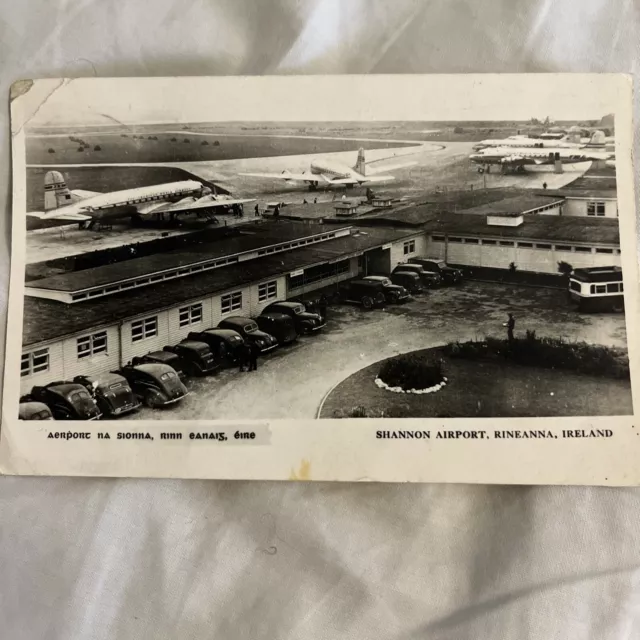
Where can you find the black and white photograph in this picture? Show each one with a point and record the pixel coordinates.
(183, 266)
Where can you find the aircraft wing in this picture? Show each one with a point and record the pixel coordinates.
(285, 175)
(191, 204)
(53, 215)
(391, 167)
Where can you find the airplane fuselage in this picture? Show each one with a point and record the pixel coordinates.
(525, 156)
(332, 169)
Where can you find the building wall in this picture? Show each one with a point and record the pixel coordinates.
(397, 249)
(578, 207)
(98, 363)
(55, 371)
(538, 257)
(326, 282)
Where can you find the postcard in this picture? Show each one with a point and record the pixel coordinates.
(336, 278)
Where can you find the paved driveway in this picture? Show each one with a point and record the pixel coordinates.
(292, 382)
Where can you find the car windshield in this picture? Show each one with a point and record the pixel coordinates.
(115, 385)
(41, 415)
(251, 327)
(299, 309)
(168, 375)
(385, 281)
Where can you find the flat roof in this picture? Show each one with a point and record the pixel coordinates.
(252, 238)
(518, 204)
(593, 192)
(551, 228)
(49, 319)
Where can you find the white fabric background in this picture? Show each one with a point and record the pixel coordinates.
(120, 559)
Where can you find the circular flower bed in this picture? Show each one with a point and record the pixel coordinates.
(411, 373)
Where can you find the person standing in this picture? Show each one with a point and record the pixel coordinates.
(253, 357)
(323, 303)
(511, 325)
(244, 357)
(257, 210)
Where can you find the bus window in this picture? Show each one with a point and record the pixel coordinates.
(600, 288)
(574, 286)
(612, 288)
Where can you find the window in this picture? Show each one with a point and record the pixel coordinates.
(489, 242)
(604, 250)
(267, 290)
(472, 241)
(598, 288)
(190, 315)
(231, 302)
(437, 238)
(318, 273)
(563, 247)
(34, 362)
(525, 244)
(142, 329)
(409, 247)
(596, 209)
(583, 249)
(506, 243)
(92, 345)
(543, 246)
(613, 287)
(454, 239)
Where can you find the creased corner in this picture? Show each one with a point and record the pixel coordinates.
(19, 88)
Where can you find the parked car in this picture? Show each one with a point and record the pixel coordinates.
(225, 344)
(279, 325)
(393, 293)
(163, 357)
(34, 411)
(409, 280)
(448, 274)
(67, 401)
(365, 292)
(155, 384)
(250, 332)
(112, 393)
(196, 357)
(429, 279)
(303, 320)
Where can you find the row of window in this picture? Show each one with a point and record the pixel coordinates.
(318, 273)
(296, 243)
(527, 245)
(611, 287)
(596, 209)
(97, 343)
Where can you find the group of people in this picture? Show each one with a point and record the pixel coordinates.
(238, 210)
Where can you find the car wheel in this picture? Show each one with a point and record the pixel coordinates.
(150, 401)
(380, 299)
(618, 307)
(367, 302)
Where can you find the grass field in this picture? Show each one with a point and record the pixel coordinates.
(487, 389)
(171, 147)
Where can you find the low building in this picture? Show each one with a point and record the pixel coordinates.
(98, 319)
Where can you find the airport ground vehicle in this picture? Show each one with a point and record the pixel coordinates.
(597, 289)
(112, 393)
(409, 280)
(393, 293)
(225, 344)
(429, 279)
(279, 325)
(196, 357)
(250, 332)
(162, 357)
(448, 274)
(155, 384)
(67, 401)
(34, 411)
(303, 320)
(367, 293)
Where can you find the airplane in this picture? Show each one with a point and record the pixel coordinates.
(516, 159)
(332, 172)
(90, 207)
(569, 141)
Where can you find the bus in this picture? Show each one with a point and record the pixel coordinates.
(597, 289)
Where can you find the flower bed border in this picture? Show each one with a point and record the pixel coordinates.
(434, 389)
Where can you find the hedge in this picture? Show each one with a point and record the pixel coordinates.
(548, 353)
(411, 371)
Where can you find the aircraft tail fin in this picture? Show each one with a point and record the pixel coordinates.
(597, 137)
(56, 192)
(574, 137)
(360, 165)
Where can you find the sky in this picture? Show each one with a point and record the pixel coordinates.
(317, 98)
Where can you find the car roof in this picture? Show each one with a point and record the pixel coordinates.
(161, 355)
(220, 332)
(367, 283)
(105, 378)
(65, 388)
(34, 406)
(275, 314)
(193, 344)
(376, 278)
(286, 303)
(237, 320)
(153, 368)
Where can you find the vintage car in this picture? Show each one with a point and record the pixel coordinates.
(155, 384)
(409, 280)
(163, 357)
(250, 332)
(367, 293)
(279, 325)
(196, 357)
(393, 293)
(303, 320)
(112, 393)
(67, 401)
(429, 279)
(448, 274)
(225, 344)
(34, 411)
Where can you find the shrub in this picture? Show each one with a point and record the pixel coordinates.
(458, 130)
(411, 371)
(548, 353)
